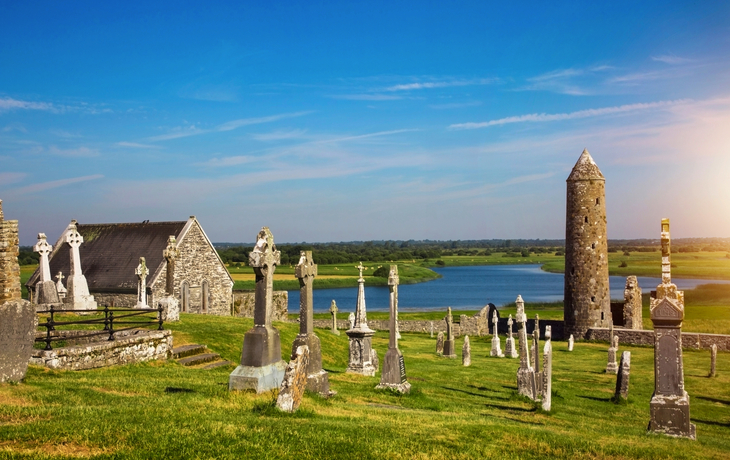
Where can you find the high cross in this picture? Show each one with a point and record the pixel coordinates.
(305, 271)
(43, 248)
(74, 239)
(264, 258)
(170, 253)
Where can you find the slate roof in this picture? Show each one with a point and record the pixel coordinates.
(110, 253)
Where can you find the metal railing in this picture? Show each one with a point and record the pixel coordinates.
(110, 320)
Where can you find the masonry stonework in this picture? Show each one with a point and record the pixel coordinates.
(9, 268)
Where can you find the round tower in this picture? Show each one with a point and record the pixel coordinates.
(587, 301)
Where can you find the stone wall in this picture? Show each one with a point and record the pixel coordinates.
(133, 347)
(244, 302)
(107, 299)
(9, 268)
(690, 340)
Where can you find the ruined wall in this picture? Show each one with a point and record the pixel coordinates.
(690, 340)
(197, 265)
(9, 268)
(107, 299)
(244, 302)
(632, 316)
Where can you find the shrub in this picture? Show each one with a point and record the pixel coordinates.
(623, 264)
(627, 253)
(440, 262)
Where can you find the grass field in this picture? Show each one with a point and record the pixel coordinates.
(164, 410)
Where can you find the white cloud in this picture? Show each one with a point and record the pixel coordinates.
(670, 59)
(14, 127)
(279, 135)
(135, 145)
(455, 105)
(11, 177)
(440, 84)
(365, 136)
(366, 97)
(229, 161)
(7, 104)
(79, 152)
(54, 184)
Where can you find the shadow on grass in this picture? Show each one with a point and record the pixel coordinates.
(513, 419)
(474, 394)
(178, 390)
(332, 371)
(485, 389)
(593, 398)
(511, 408)
(711, 422)
(715, 400)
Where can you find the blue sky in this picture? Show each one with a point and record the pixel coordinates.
(387, 120)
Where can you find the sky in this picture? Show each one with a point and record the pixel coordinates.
(334, 121)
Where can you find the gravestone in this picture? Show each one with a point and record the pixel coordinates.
(611, 366)
(333, 312)
(632, 304)
(361, 336)
(622, 377)
(526, 385)
(45, 289)
(351, 319)
(496, 346)
(142, 271)
(466, 352)
(317, 378)
(431, 329)
(669, 406)
(59, 286)
(394, 367)
(440, 344)
(571, 342)
(713, 360)
(261, 367)
(510, 349)
(449, 346)
(536, 332)
(169, 303)
(9, 268)
(77, 296)
(547, 371)
(292, 387)
(536, 351)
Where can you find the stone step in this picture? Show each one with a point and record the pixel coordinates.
(187, 350)
(198, 359)
(215, 364)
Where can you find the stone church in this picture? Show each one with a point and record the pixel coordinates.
(110, 254)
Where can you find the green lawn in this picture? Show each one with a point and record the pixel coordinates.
(164, 410)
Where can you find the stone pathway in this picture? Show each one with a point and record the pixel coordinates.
(198, 355)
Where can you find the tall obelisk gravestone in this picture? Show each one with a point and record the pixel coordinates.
(170, 305)
(361, 336)
(78, 297)
(394, 367)
(526, 385)
(449, 346)
(142, 271)
(261, 368)
(669, 405)
(317, 378)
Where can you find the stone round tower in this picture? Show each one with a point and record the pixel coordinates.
(587, 301)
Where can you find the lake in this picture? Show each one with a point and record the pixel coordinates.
(470, 288)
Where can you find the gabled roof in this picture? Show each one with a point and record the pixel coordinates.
(110, 252)
(585, 168)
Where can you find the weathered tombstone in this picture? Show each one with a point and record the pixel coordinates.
(536, 332)
(317, 378)
(45, 289)
(169, 303)
(60, 287)
(351, 319)
(9, 268)
(611, 366)
(571, 342)
(361, 336)
(261, 367)
(632, 304)
(610, 333)
(449, 346)
(141, 271)
(496, 346)
(509, 347)
(333, 312)
(440, 344)
(713, 360)
(536, 351)
(431, 329)
(394, 367)
(669, 405)
(466, 352)
(525, 374)
(77, 297)
(622, 377)
(547, 371)
(292, 387)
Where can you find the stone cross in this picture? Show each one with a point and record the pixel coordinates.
(305, 272)
(449, 325)
(547, 370)
(440, 343)
(394, 367)
(536, 349)
(393, 281)
(496, 346)
(142, 271)
(170, 254)
(59, 285)
(610, 332)
(333, 312)
(509, 325)
(361, 336)
(43, 248)
(526, 385)
(264, 259)
(571, 342)
(509, 347)
(74, 239)
(361, 319)
(611, 366)
(78, 297)
(713, 359)
(351, 320)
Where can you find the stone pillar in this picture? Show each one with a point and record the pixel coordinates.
(547, 370)
(9, 268)
(571, 343)
(713, 360)
(361, 336)
(525, 373)
(587, 301)
(333, 312)
(317, 378)
(394, 366)
(669, 405)
(449, 347)
(466, 352)
(351, 320)
(632, 304)
(509, 347)
(45, 289)
(169, 303)
(440, 343)
(622, 377)
(496, 346)
(261, 367)
(611, 365)
(141, 271)
(77, 297)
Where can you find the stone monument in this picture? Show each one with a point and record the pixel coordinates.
(571, 342)
(9, 268)
(261, 367)
(77, 297)
(142, 271)
(449, 347)
(632, 304)
(509, 347)
(45, 289)
(393, 375)
(292, 388)
(547, 370)
(317, 378)
(59, 286)
(587, 300)
(611, 366)
(333, 312)
(536, 352)
(669, 405)
(622, 377)
(713, 360)
(351, 319)
(496, 346)
(170, 305)
(525, 374)
(440, 344)
(361, 336)
(466, 352)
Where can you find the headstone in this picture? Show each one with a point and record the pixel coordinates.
(466, 352)
(141, 271)
(361, 336)
(292, 387)
(351, 319)
(509, 347)
(394, 367)
(611, 366)
(496, 346)
(536, 350)
(45, 289)
(169, 303)
(669, 406)
(632, 304)
(317, 378)
(713, 360)
(537, 327)
(547, 371)
(333, 312)
(449, 346)
(571, 342)
(77, 297)
(60, 287)
(261, 367)
(440, 344)
(431, 329)
(622, 377)
(526, 385)
(9, 268)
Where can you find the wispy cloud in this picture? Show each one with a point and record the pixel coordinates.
(11, 177)
(564, 81)
(671, 59)
(365, 136)
(440, 84)
(14, 127)
(544, 117)
(279, 135)
(135, 145)
(54, 184)
(228, 126)
(79, 152)
(229, 161)
(455, 105)
(366, 97)
(7, 104)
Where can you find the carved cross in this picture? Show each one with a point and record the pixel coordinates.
(170, 253)
(74, 239)
(305, 271)
(333, 308)
(509, 324)
(264, 258)
(393, 285)
(360, 267)
(43, 248)
(141, 271)
(60, 277)
(494, 322)
(521, 317)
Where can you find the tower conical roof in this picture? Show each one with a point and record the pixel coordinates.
(585, 168)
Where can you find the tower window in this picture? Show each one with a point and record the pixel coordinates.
(593, 246)
(598, 201)
(586, 219)
(593, 299)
